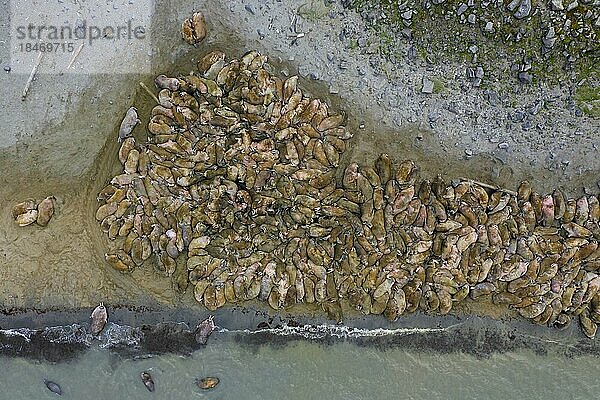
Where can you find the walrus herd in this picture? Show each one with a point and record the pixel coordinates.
(239, 191)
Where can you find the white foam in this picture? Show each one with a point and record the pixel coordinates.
(337, 331)
(118, 335)
(22, 332)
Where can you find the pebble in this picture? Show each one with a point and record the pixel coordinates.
(491, 97)
(536, 107)
(249, 8)
(556, 5)
(407, 14)
(512, 5)
(503, 145)
(479, 72)
(470, 73)
(489, 27)
(525, 77)
(572, 5)
(412, 53)
(7, 68)
(524, 9)
(518, 116)
(471, 18)
(461, 9)
(427, 86)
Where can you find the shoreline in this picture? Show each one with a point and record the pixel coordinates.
(139, 332)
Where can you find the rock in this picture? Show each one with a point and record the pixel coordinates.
(461, 9)
(249, 8)
(471, 18)
(513, 5)
(572, 5)
(524, 9)
(503, 145)
(489, 27)
(556, 5)
(407, 14)
(550, 38)
(427, 86)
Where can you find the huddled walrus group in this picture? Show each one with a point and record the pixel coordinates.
(240, 189)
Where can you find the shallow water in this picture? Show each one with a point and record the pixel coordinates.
(252, 367)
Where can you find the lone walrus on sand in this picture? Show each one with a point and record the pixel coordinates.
(129, 122)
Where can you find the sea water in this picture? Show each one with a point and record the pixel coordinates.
(302, 365)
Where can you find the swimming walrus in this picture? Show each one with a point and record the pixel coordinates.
(148, 381)
(207, 383)
(53, 387)
(204, 329)
(99, 317)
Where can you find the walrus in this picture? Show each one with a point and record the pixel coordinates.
(99, 317)
(129, 122)
(53, 387)
(45, 210)
(148, 382)
(207, 383)
(204, 329)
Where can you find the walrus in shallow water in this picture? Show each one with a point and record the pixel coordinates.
(204, 329)
(148, 382)
(53, 387)
(207, 383)
(99, 317)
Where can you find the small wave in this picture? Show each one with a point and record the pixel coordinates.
(66, 334)
(115, 335)
(22, 332)
(336, 331)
